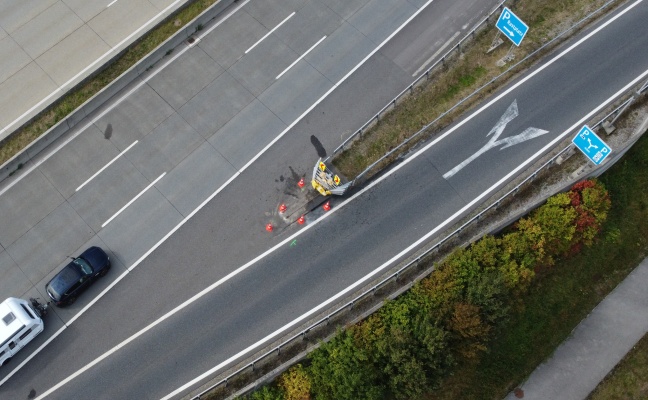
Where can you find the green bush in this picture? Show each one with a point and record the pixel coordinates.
(267, 393)
(410, 344)
(295, 384)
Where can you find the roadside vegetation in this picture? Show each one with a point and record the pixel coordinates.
(79, 95)
(453, 320)
(494, 311)
(629, 380)
(567, 293)
(462, 76)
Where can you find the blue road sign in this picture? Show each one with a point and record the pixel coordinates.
(591, 145)
(512, 26)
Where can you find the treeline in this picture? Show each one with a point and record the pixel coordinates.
(411, 343)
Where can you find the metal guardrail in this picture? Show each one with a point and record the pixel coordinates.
(301, 335)
(89, 108)
(424, 76)
(410, 88)
(413, 263)
(644, 87)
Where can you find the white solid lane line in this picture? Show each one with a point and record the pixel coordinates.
(136, 263)
(424, 238)
(304, 229)
(207, 200)
(111, 3)
(269, 33)
(439, 227)
(302, 56)
(106, 166)
(133, 200)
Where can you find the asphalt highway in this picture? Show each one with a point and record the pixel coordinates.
(360, 236)
(131, 176)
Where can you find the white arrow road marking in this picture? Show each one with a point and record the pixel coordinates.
(509, 115)
(529, 133)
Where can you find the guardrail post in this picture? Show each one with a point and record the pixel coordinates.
(622, 110)
(644, 87)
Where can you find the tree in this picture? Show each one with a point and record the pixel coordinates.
(340, 371)
(516, 275)
(267, 393)
(551, 227)
(592, 204)
(469, 326)
(295, 383)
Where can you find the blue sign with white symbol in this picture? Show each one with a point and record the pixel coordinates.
(591, 145)
(512, 26)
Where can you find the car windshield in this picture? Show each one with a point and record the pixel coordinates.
(83, 265)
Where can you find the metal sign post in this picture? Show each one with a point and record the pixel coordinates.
(513, 28)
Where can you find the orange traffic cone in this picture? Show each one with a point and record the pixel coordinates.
(327, 206)
(301, 220)
(269, 227)
(282, 208)
(301, 183)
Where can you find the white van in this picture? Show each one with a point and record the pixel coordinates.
(19, 324)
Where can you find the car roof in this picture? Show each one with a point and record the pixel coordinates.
(69, 275)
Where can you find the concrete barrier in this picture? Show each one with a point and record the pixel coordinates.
(87, 109)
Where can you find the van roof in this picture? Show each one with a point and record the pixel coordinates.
(12, 318)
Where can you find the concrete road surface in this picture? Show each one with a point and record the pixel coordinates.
(48, 46)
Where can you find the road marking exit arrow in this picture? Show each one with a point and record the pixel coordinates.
(509, 115)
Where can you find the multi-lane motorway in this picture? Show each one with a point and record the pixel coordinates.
(132, 173)
(140, 340)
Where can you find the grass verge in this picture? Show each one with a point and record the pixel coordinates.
(567, 293)
(629, 380)
(30, 132)
(472, 70)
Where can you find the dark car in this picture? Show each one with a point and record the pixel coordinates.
(75, 277)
